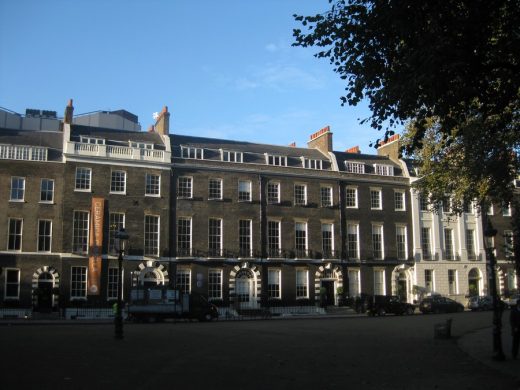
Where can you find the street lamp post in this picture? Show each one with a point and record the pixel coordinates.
(121, 237)
(497, 310)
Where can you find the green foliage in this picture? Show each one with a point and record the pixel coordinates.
(422, 59)
(463, 165)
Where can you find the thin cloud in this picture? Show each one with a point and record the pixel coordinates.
(281, 77)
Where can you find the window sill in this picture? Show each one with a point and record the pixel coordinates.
(46, 202)
(152, 195)
(117, 193)
(81, 190)
(17, 200)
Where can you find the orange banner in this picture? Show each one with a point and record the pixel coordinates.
(95, 245)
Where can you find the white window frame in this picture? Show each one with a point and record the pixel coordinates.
(376, 226)
(383, 170)
(183, 279)
(187, 191)
(302, 239)
(424, 204)
(215, 287)
(379, 191)
(382, 272)
(405, 242)
(270, 193)
(470, 243)
(354, 282)
(91, 140)
(449, 244)
(508, 243)
(150, 237)
(112, 283)
(150, 187)
(455, 281)
(431, 272)
(426, 245)
(276, 160)
(331, 249)
(275, 293)
(83, 183)
(76, 229)
(230, 156)
(305, 284)
(506, 211)
(274, 239)
(141, 145)
(354, 167)
(402, 195)
(245, 238)
(192, 152)
(18, 235)
(350, 227)
(183, 244)
(46, 190)
(245, 188)
(117, 182)
(215, 189)
(17, 190)
(311, 163)
(214, 238)
(7, 284)
(44, 236)
(353, 190)
(329, 200)
(79, 285)
(298, 201)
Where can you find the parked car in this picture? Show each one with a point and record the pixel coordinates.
(477, 303)
(439, 304)
(384, 304)
(511, 301)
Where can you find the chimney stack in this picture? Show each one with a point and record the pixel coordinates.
(69, 111)
(292, 144)
(162, 124)
(321, 140)
(354, 149)
(389, 148)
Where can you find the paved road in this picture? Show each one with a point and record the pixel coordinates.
(335, 353)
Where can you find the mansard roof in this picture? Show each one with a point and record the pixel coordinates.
(53, 140)
(117, 136)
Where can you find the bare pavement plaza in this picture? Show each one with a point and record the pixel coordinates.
(351, 352)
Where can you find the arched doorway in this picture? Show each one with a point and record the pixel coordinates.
(244, 286)
(474, 282)
(45, 284)
(150, 274)
(402, 285)
(328, 281)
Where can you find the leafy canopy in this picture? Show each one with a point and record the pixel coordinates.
(449, 68)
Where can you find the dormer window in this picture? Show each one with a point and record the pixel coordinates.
(383, 170)
(310, 163)
(229, 156)
(354, 167)
(191, 152)
(280, 161)
(91, 140)
(140, 145)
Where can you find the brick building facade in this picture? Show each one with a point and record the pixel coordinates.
(242, 223)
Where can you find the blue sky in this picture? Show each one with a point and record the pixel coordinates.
(224, 68)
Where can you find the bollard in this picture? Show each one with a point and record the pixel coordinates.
(442, 330)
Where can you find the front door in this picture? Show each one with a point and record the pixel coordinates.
(244, 289)
(45, 284)
(402, 288)
(328, 293)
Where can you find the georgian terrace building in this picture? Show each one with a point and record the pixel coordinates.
(242, 223)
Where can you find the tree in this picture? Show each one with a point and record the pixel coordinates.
(450, 68)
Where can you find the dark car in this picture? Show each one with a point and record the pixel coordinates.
(477, 303)
(384, 304)
(438, 304)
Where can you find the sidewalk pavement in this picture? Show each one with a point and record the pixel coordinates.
(479, 346)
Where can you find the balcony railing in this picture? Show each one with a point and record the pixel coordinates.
(117, 152)
(23, 152)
